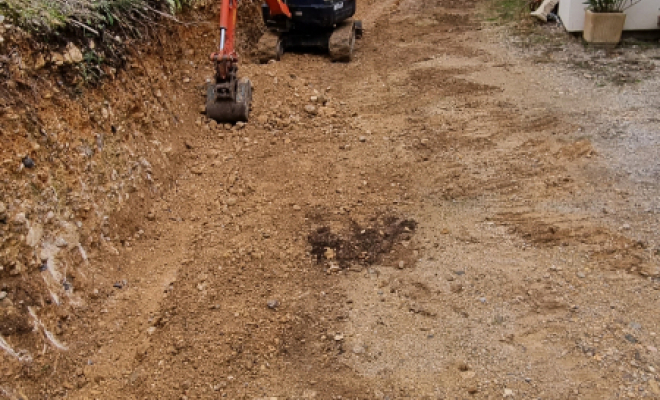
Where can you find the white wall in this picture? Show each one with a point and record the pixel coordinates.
(642, 16)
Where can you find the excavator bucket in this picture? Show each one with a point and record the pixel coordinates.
(226, 107)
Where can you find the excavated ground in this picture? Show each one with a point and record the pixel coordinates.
(440, 218)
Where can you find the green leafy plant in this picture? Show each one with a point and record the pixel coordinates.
(610, 6)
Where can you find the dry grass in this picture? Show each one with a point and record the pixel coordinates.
(93, 15)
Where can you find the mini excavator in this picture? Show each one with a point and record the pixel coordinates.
(325, 24)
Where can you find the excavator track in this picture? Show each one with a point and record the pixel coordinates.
(342, 41)
(269, 47)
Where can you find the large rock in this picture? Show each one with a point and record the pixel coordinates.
(34, 235)
(73, 54)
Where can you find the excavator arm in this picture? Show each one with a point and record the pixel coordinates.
(228, 98)
(228, 16)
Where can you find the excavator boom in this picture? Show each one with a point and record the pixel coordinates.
(228, 98)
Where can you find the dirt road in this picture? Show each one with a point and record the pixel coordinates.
(428, 221)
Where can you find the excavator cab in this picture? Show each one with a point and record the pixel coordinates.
(324, 24)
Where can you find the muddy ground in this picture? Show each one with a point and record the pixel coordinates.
(441, 218)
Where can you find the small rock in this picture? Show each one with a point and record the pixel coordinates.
(73, 54)
(3, 212)
(362, 139)
(231, 201)
(581, 274)
(61, 242)
(57, 59)
(202, 109)
(625, 227)
(311, 110)
(297, 207)
(273, 304)
(508, 393)
(39, 62)
(28, 162)
(358, 349)
(339, 337)
(118, 285)
(631, 338)
(3, 295)
(402, 264)
(186, 80)
(151, 215)
(188, 144)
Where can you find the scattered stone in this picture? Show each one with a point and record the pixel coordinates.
(57, 58)
(3, 212)
(3, 295)
(508, 393)
(34, 235)
(459, 273)
(297, 207)
(631, 338)
(188, 145)
(625, 227)
(581, 274)
(273, 304)
(151, 215)
(73, 54)
(202, 109)
(402, 264)
(186, 80)
(118, 285)
(311, 110)
(339, 337)
(362, 139)
(473, 389)
(635, 325)
(61, 242)
(28, 162)
(358, 349)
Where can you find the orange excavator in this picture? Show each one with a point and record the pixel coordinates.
(326, 24)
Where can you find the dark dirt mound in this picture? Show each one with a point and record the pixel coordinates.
(360, 244)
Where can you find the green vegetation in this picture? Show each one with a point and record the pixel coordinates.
(46, 16)
(510, 10)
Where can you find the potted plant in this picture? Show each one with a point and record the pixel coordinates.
(604, 21)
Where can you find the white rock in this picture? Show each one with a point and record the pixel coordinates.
(508, 393)
(34, 235)
(73, 54)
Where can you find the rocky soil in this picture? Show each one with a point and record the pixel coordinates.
(444, 217)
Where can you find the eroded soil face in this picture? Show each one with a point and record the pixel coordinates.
(424, 222)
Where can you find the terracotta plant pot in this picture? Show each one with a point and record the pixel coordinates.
(603, 28)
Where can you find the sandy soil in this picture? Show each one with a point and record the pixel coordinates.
(441, 218)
